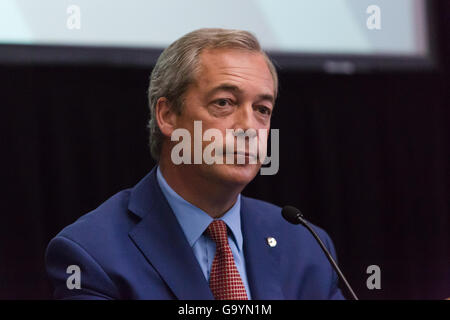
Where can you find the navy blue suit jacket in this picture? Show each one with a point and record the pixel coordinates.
(132, 247)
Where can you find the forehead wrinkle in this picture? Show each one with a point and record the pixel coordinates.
(209, 71)
(242, 69)
(245, 76)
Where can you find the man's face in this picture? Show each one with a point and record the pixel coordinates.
(233, 90)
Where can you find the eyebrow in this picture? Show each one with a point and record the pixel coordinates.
(235, 89)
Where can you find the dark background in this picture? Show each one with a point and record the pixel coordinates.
(364, 156)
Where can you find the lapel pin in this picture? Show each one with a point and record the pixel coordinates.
(271, 241)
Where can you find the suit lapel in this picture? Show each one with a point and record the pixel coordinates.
(161, 240)
(262, 261)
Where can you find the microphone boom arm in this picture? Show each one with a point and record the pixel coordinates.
(330, 258)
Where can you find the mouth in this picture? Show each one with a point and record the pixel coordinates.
(245, 154)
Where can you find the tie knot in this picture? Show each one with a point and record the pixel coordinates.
(217, 230)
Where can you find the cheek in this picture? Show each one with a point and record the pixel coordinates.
(262, 145)
(221, 126)
(265, 124)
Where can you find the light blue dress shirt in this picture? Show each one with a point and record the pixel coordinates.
(195, 221)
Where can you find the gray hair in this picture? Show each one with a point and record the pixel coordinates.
(178, 64)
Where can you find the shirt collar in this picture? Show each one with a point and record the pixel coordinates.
(193, 220)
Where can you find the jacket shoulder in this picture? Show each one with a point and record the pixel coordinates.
(107, 222)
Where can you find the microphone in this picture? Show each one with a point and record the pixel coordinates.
(294, 216)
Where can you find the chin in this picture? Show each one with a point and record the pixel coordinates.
(235, 174)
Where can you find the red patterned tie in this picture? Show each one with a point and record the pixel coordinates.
(224, 281)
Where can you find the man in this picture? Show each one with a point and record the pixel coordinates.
(184, 231)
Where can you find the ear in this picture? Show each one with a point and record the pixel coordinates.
(165, 116)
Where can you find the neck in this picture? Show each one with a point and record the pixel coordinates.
(210, 196)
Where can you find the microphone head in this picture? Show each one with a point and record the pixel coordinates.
(292, 215)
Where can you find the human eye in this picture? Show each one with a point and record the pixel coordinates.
(264, 110)
(223, 102)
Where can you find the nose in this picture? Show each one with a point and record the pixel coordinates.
(244, 118)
